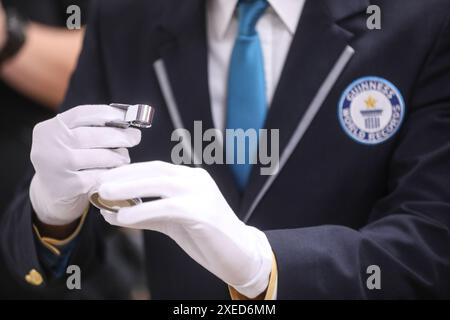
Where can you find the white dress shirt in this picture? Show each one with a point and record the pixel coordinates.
(276, 28)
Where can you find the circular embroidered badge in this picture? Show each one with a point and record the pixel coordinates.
(371, 110)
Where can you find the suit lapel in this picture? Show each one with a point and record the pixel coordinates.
(184, 55)
(316, 47)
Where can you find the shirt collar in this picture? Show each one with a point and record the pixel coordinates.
(221, 12)
(288, 11)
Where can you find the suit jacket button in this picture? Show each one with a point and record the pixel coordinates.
(34, 278)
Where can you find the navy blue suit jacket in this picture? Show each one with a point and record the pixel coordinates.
(337, 206)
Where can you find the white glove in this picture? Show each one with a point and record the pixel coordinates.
(195, 215)
(68, 153)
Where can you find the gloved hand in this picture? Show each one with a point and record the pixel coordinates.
(68, 152)
(196, 216)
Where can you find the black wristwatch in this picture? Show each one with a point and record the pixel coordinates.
(16, 35)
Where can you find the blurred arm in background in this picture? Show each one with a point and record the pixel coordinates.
(42, 68)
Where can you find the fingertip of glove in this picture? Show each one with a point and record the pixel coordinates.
(109, 216)
(136, 136)
(106, 191)
(123, 216)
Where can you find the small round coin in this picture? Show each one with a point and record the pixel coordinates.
(113, 206)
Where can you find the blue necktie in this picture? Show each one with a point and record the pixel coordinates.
(246, 96)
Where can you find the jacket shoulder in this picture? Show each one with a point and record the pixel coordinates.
(415, 9)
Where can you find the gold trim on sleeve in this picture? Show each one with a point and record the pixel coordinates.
(53, 244)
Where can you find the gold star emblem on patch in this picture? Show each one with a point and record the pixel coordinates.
(370, 102)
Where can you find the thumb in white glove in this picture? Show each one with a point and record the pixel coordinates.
(194, 213)
(68, 152)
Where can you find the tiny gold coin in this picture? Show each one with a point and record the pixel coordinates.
(113, 206)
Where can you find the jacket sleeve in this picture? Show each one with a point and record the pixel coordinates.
(407, 235)
(18, 241)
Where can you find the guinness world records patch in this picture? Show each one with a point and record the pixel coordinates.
(371, 110)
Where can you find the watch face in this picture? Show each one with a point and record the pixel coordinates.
(15, 36)
(16, 23)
